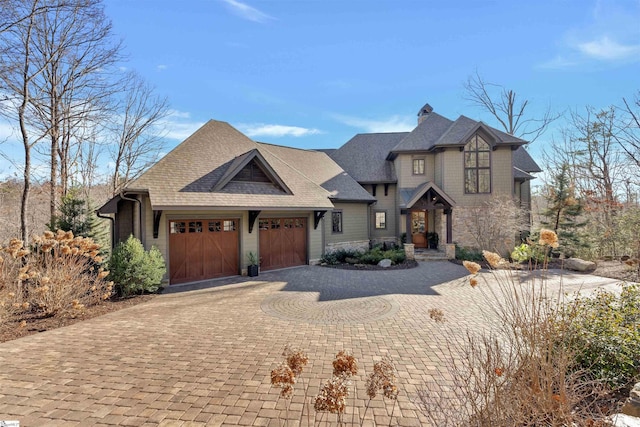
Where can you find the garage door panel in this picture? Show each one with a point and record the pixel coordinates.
(203, 249)
(283, 242)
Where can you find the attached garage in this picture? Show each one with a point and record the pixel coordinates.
(201, 249)
(283, 242)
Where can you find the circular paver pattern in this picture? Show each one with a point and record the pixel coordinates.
(305, 307)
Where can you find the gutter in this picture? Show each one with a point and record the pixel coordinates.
(112, 227)
(122, 195)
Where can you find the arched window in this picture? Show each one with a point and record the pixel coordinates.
(477, 166)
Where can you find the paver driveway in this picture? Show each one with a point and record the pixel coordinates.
(204, 357)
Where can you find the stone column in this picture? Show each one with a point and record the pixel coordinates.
(409, 251)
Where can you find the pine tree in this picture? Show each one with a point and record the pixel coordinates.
(563, 212)
(78, 216)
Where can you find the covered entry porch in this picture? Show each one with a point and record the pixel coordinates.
(427, 210)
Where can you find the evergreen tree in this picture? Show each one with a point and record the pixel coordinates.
(564, 211)
(78, 216)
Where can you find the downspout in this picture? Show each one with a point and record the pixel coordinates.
(113, 227)
(139, 213)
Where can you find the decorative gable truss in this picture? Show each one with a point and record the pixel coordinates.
(250, 173)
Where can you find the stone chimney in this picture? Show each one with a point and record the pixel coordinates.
(424, 112)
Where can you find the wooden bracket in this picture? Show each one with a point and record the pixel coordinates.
(156, 223)
(386, 189)
(317, 216)
(253, 215)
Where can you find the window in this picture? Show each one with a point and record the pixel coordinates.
(418, 166)
(477, 166)
(381, 220)
(229, 225)
(195, 227)
(336, 221)
(178, 227)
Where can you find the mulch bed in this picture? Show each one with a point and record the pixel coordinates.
(402, 266)
(10, 329)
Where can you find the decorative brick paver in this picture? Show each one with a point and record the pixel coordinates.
(204, 357)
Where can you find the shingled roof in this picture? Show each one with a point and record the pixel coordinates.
(436, 131)
(367, 157)
(363, 157)
(523, 161)
(186, 178)
(322, 170)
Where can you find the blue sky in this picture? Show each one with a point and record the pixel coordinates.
(312, 73)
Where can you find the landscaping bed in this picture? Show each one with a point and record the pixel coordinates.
(346, 266)
(13, 328)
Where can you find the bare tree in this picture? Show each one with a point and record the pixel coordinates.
(75, 46)
(138, 132)
(509, 110)
(17, 73)
(629, 135)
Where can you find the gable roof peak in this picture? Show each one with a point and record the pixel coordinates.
(424, 112)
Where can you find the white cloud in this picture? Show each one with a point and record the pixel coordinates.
(247, 12)
(275, 131)
(389, 124)
(559, 62)
(179, 126)
(161, 67)
(605, 49)
(610, 37)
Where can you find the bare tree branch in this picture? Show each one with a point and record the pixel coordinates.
(138, 132)
(507, 108)
(629, 135)
(75, 43)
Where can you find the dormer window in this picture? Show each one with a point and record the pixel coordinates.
(477, 166)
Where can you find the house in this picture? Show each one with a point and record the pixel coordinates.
(220, 195)
(432, 178)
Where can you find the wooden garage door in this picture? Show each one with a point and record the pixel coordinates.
(202, 249)
(283, 242)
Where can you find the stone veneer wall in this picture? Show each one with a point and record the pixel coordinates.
(358, 245)
(387, 240)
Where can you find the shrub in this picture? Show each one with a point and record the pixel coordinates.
(372, 256)
(339, 256)
(517, 370)
(526, 252)
(135, 270)
(397, 256)
(59, 275)
(605, 335)
(468, 254)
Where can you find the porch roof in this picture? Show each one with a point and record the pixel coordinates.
(438, 199)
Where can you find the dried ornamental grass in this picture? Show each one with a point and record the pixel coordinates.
(436, 314)
(283, 377)
(60, 276)
(383, 378)
(344, 364)
(472, 267)
(548, 237)
(333, 395)
(296, 359)
(494, 260)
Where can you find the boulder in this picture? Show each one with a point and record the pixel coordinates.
(622, 420)
(384, 263)
(577, 264)
(632, 405)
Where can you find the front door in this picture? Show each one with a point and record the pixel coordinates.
(419, 228)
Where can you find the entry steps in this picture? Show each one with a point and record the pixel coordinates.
(430, 255)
